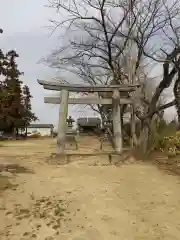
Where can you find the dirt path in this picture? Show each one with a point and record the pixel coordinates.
(84, 202)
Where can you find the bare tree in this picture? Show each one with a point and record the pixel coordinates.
(98, 51)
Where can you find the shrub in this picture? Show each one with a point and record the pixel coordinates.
(164, 137)
(170, 144)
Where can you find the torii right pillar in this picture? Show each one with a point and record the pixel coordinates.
(117, 130)
(62, 126)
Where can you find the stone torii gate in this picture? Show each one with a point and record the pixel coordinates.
(64, 100)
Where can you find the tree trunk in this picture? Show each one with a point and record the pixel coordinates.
(177, 97)
(26, 130)
(144, 136)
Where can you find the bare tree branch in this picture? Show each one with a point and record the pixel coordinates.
(97, 48)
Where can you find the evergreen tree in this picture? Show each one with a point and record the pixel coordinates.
(3, 93)
(28, 114)
(13, 102)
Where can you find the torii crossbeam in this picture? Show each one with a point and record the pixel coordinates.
(64, 100)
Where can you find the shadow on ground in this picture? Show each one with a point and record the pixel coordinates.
(5, 184)
(15, 168)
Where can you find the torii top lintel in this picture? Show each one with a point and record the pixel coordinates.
(49, 85)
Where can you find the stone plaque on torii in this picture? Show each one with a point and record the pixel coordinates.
(116, 100)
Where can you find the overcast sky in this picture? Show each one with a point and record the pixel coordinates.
(25, 30)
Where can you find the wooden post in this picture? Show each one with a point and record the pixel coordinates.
(62, 126)
(117, 121)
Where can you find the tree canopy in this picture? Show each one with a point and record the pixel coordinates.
(15, 97)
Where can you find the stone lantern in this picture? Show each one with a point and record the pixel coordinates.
(70, 122)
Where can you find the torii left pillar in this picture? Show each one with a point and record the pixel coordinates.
(62, 125)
